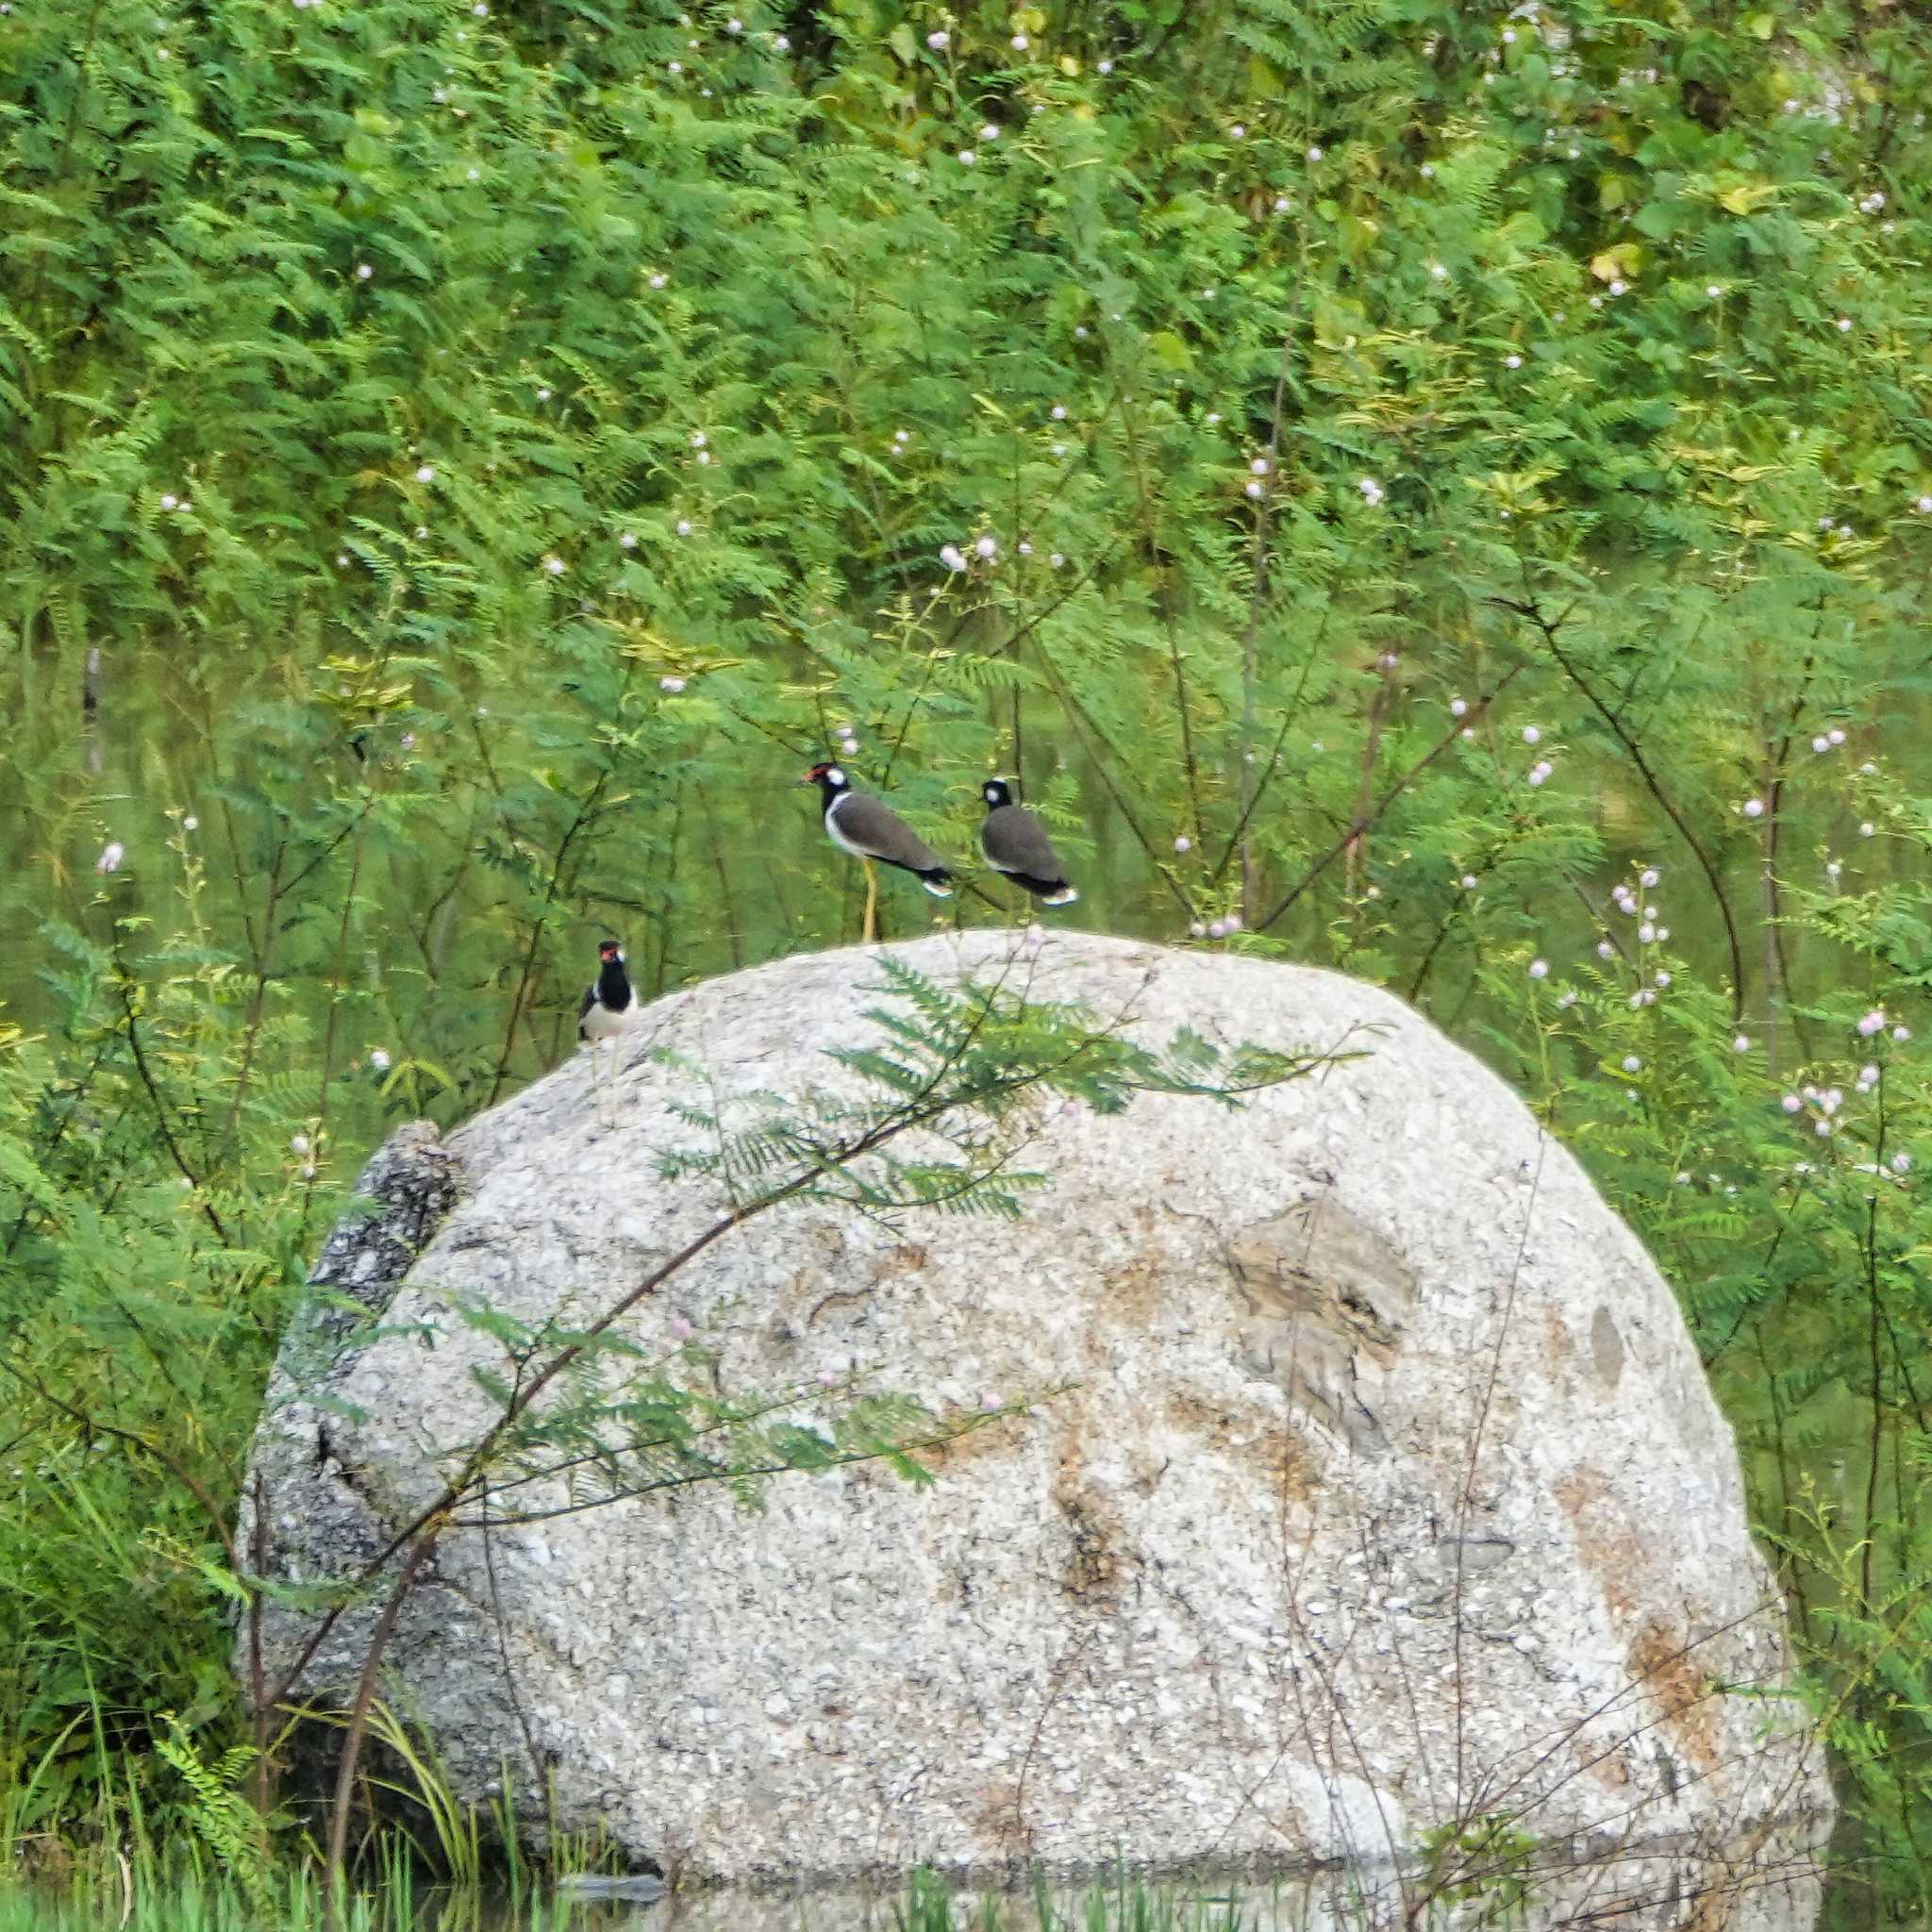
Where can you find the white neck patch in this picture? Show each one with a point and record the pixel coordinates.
(834, 775)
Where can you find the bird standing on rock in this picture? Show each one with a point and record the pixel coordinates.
(609, 1006)
(859, 824)
(1017, 847)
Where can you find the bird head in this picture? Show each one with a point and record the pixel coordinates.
(996, 793)
(831, 777)
(609, 950)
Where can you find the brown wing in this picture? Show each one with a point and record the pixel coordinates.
(1015, 841)
(862, 825)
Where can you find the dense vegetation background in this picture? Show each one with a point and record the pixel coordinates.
(1441, 492)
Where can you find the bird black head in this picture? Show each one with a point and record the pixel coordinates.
(832, 777)
(996, 793)
(609, 950)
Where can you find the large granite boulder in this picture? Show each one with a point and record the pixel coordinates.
(1373, 1488)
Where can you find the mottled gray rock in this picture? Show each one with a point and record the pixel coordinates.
(1382, 1485)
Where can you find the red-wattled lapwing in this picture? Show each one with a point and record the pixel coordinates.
(857, 823)
(609, 1007)
(1017, 847)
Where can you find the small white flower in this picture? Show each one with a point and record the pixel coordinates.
(1439, 271)
(1429, 171)
(1198, 930)
(674, 67)
(1742, 1044)
(1458, 706)
(425, 474)
(543, 395)
(1663, 979)
(1183, 843)
(1102, 67)
(1314, 154)
(378, 1058)
(1217, 929)
(1209, 294)
(1060, 412)
(300, 1144)
(1648, 876)
(1282, 204)
(1873, 1022)
(1821, 743)
(1834, 868)
(704, 458)
(734, 26)
(1236, 132)
(1822, 1128)
(698, 439)
(1254, 489)
(191, 823)
(990, 132)
(1867, 830)
(342, 558)
(1646, 934)
(1372, 490)
(1901, 1163)
(937, 39)
(1565, 1001)
(986, 547)
(1056, 560)
(1836, 735)
(683, 528)
(1469, 882)
(1617, 288)
(1019, 43)
(1531, 733)
(1233, 922)
(658, 281)
(951, 556)
(363, 270)
(1512, 362)
(475, 174)
(1539, 774)
(1844, 325)
(169, 500)
(112, 853)
(554, 565)
(1901, 1034)
(1632, 1064)
(967, 157)
(1754, 807)
(1508, 36)
(674, 685)
(1539, 969)
(1925, 506)
(1024, 548)
(1792, 1103)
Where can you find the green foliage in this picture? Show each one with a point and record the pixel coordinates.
(1346, 391)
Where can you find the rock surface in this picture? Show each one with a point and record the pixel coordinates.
(1381, 1486)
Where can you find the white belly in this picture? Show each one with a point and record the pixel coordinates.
(600, 1023)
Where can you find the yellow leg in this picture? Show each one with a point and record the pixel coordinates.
(872, 904)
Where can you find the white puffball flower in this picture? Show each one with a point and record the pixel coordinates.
(683, 528)
(1259, 466)
(1531, 733)
(1198, 930)
(1604, 950)
(1539, 969)
(1925, 506)
(734, 26)
(674, 685)
(1663, 979)
(1714, 291)
(1469, 882)
(1792, 1103)
(1429, 171)
(674, 67)
(1458, 706)
(1060, 412)
(990, 132)
(697, 439)
(986, 546)
(112, 853)
(379, 1059)
(951, 556)
(1867, 829)
(542, 395)
(1742, 1044)
(1821, 743)
(191, 823)
(1255, 489)
(1217, 929)
(1314, 154)
(1539, 773)
(1020, 43)
(1901, 1163)
(1437, 272)
(1236, 132)
(1873, 1022)
(1372, 490)
(1183, 843)
(937, 39)
(1901, 1034)
(1024, 548)
(1056, 560)
(1618, 287)
(967, 157)
(1844, 325)
(1102, 67)
(658, 281)
(300, 1144)
(1754, 807)
(425, 474)
(363, 270)
(1648, 876)
(628, 541)
(1836, 735)
(1646, 934)
(1508, 36)
(169, 500)
(554, 565)
(1632, 1064)
(1512, 362)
